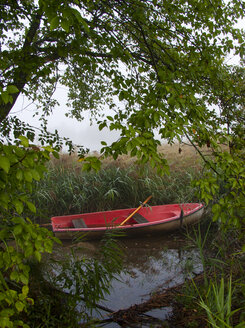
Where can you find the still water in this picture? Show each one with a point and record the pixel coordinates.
(151, 264)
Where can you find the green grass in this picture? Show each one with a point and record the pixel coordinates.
(70, 190)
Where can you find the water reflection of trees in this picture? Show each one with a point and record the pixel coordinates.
(160, 258)
(164, 262)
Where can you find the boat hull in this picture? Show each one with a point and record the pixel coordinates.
(167, 218)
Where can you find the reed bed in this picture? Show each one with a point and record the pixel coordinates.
(66, 189)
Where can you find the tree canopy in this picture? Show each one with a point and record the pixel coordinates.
(161, 59)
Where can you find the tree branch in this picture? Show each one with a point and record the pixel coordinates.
(21, 76)
(200, 153)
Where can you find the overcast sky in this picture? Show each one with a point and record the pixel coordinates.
(81, 133)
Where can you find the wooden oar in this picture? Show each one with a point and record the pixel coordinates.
(135, 211)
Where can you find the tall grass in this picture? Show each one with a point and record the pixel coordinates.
(221, 291)
(218, 305)
(68, 190)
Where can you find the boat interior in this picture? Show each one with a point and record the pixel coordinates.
(111, 219)
(123, 217)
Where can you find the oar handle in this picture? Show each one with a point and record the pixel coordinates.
(135, 211)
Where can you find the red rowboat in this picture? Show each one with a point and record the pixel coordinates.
(143, 220)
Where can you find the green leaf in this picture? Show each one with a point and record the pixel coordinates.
(38, 256)
(24, 279)
(216, 216)
(80, 19)
(6, 313)
(31, 207)
(6, 97)
(25, 290)
(4, 234)
(18, 229)
(96, 165)
(54, 23)
(28, 176)
(14, 276)
(48, 245)
(4, 163)
(19, 175)
(12, 89)
(35, 175)
(5, 322)
(86, 167)
(102, 125)
(18, 220)
(85, 25)
(18, 206)
(216, 208)
(4, 197)
(19, 306)
(48, 148)
(56, 154)
(121, 95)
(28, 251)
(65, 25)
(24, 141)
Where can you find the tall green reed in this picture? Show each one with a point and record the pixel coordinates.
(218, 305)
(69, 191)
(213, 295)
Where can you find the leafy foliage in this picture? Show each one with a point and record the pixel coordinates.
(72, 285)
(225, 176)
(20, 240)
(90, 279)
(164, 61)
(224, 185)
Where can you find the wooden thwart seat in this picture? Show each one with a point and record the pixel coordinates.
(139, 218)
(79, 223)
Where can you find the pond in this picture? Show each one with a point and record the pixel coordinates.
(151, 265)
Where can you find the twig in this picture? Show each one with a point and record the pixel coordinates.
(200, 153)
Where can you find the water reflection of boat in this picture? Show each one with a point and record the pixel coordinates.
(145, 220)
